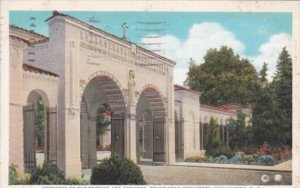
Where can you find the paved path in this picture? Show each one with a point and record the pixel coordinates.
(285, 166)
(192, 175)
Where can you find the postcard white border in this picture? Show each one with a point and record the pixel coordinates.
(189, 6)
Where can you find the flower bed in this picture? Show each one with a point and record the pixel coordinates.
(266, 156)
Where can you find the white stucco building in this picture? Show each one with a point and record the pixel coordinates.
(77, 69)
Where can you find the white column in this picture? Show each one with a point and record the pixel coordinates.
(170, 122)
(197, 136)
(72, 113)
(16, 145)
(130, 140)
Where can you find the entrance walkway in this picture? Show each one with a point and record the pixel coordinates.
(285, 166)
(187, 173)
(196, 175)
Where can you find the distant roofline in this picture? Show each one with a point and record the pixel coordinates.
(216, 108)
(233, 104)
(56, 13)
(38, 70)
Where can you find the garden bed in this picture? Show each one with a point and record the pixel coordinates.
(265, 157)
(239, 160)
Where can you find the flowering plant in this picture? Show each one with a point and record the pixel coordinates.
(264, 149)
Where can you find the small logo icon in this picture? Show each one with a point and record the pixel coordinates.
(277, 177)
(265, 178)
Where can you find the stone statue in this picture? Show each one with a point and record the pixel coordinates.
(131, 86)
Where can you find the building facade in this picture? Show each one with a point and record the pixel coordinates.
(77, 69)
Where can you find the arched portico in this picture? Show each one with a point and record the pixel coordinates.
(39, 130)
(150, 124)
(101, 89)
(93, 67)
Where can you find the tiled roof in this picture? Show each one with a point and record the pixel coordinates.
(216, 108)
(232, 106)
(56, 13)
(31, 68)
(39, 37)
(19, 38)
(179, 87)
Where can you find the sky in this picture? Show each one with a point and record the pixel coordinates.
(183, 35)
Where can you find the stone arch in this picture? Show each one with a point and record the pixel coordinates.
(155, 99)
(151, 100)
(32, 96)
(36, 129)
(101, 88)
(103, 74)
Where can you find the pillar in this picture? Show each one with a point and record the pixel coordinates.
(16, 145)
(170, 120)
(197, 136)
(130, 133)
(72, 143)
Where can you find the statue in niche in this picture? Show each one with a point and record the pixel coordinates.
(131, 86)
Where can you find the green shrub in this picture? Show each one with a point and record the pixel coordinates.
(249, 158)
(221, 149)
(75, 181)
(117, 170)
(14, 178)
(195, 158)
(13, 175)
(213, 132)
(46, 175)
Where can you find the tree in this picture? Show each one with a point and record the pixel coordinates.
(272, 110)
(282, 84)
(223, 78)
(39, 122)
(102, 119)
(240, 135)
(263, 74)
(213, 139)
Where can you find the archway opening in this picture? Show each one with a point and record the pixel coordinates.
(101, 121)
(150, 125)
(36, 133)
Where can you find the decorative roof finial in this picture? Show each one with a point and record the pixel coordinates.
(125, 28)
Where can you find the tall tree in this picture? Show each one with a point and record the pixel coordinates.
(213, 133)
(40, 123)
(239, 134)
(272, 110)
(223, 78)
(283, 90)
(263, 74)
